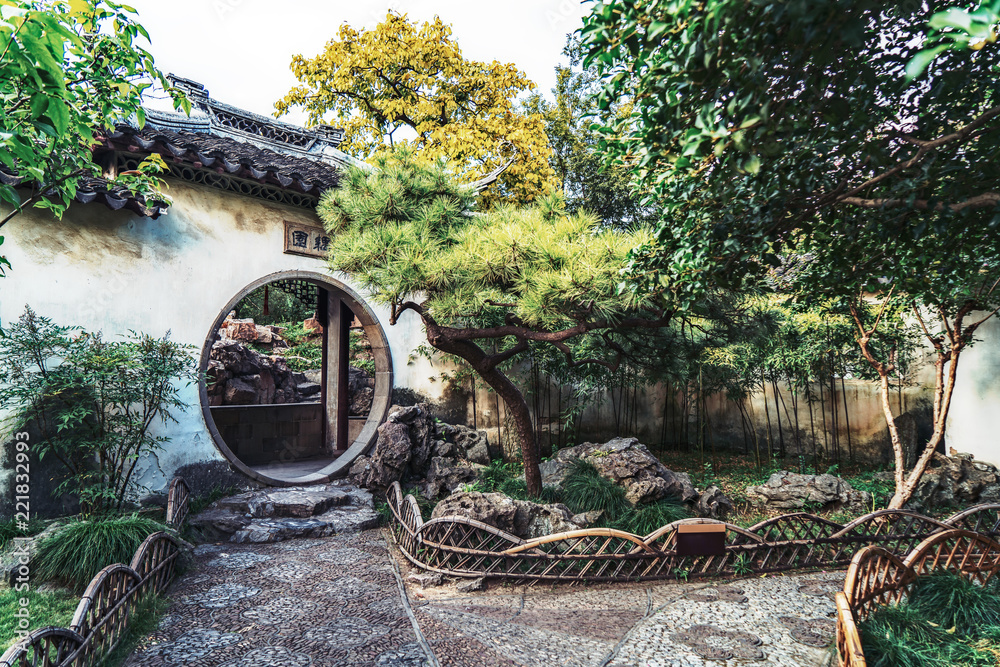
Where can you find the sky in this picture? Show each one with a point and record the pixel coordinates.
(241, 49)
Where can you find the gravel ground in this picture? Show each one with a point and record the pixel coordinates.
(337, 602)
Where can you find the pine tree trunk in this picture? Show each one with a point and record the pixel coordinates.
(449, 341)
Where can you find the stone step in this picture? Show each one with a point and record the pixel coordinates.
(273, 515)
(308, 388)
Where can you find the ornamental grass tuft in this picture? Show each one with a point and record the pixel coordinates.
(78, 552)
(947, 620)
(585, 490)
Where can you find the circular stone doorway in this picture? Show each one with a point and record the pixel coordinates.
(352, 304)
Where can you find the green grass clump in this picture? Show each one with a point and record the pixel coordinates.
(952, 601)
(947, 620)
(48, 608)
(142, 623)
(644, 519)
(584, 490)
(75, 554)
(9, 530)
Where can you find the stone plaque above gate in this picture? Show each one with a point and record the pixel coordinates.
(306, 240)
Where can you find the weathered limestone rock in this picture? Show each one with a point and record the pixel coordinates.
(713, 504)
(419, 425)
(412, 445)
(273, 515)
(425, 579)
(239, 375)
(472, 585)
(18, 553)
(517, 517)
(240, 392)
(585, 519)
(361, 387)
(239, 330)
(957, 480)
(465, 442)
(629, 464)
(788, 490)
(446, 475)
(389, 461)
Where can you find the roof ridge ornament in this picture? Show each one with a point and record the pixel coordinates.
(223, 120)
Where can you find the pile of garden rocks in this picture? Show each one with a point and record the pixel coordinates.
(273, 515)
(413, 446)
(957, 480)
(239, 375)
(524, 519)
(789, 490)
(629, 464)
(439, 459)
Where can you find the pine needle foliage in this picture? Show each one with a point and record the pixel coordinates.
(488, 286)
(409, 230)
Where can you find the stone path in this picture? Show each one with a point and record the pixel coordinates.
(337, 601)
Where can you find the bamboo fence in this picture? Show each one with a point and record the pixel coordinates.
(109, 602)
(464, 547)
(878, 577)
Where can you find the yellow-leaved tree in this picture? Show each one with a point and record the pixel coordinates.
(404, 83)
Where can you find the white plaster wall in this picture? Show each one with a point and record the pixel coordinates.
(974, 419)
(115, 272)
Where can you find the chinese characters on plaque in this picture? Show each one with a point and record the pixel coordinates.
(306, 240)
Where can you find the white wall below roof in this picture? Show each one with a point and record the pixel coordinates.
(114, 272)
(974, 417)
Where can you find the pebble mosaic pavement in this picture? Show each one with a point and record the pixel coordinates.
(337, 602)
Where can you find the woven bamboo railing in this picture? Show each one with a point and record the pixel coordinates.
(178, 502)
(877, 577)
(463, 547)
(113, 595)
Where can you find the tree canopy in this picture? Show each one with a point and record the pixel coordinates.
(761, 125)
(406, 84)
(587, 182)
(828, 140)
(487, 286)
(68, 69)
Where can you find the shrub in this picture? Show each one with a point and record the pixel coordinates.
(82, 549)
(93, 401)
